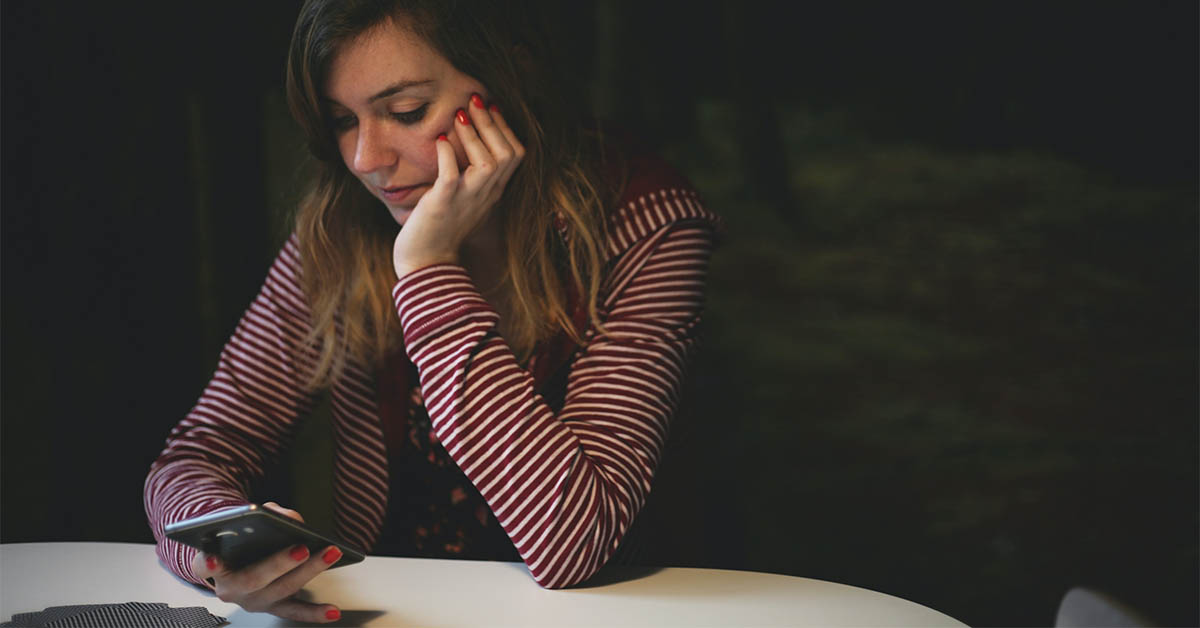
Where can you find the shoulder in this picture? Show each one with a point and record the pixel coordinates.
(653, 195)
(287, 269)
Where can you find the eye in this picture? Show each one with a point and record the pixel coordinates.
(343, 123)
(411, 117)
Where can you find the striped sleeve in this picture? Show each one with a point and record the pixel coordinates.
(567, 487)
(243, 418)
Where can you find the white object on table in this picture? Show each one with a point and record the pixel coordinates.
(384, 591)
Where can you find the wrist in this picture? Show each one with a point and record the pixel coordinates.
(404, 267)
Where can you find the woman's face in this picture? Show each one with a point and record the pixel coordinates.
(390, 95)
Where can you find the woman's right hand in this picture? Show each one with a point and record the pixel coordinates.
(268, 585)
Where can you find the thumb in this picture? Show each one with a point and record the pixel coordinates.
(287, 512)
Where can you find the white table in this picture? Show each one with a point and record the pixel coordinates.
(423, 592)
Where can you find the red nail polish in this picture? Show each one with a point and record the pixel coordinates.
(299, 553)
(443, 138)
(462, 118)
(333, 614)
(331, 555)
(494, 108)
(477, 101)
(211, 563)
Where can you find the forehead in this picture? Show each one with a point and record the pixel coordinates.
(379, 57)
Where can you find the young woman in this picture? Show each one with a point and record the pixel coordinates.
(499, 301)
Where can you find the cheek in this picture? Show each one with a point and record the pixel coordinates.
(417, 154)
(424, 156)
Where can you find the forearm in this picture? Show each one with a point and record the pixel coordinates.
(242, 419)
(179, 489)
(564, 487)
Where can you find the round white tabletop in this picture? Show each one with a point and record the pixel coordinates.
(385, 591)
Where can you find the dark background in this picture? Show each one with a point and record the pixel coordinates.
(952, 346)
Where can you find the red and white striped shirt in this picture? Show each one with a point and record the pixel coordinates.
(565, 487)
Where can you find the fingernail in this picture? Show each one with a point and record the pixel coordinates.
(331, 555)
(299, 552)
(443, 138)
(333, 614)
(462, 118)
(494, 108)
(477, 101)
(211, 563)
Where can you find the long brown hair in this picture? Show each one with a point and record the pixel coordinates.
(345, 236)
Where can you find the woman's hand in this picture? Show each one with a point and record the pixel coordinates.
(458, 203)
(268, 585)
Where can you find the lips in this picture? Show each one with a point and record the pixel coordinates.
(399, 193)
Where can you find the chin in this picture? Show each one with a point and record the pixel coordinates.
(400, 214)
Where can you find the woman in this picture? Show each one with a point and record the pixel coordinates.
(499, 301)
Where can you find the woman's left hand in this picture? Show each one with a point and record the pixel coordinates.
(458, 203)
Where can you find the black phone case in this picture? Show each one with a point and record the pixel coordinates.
(246, 535)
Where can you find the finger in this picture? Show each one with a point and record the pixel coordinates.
(206, 566)
(299, 610)
(502, 124)
(479, 157)
(284, 511)
(289, 583)
(492, 137)
(447, 162)
(246, 581)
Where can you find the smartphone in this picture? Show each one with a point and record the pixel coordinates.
(244, 535)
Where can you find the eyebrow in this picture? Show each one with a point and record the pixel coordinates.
(390, 90)
(396, 88)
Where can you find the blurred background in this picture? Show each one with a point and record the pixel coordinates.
(952, 343)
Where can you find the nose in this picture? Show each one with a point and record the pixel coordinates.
(371, 150)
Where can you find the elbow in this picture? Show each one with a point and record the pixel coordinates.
(550, 583)
(566, 574)
(576, 547)
(552, 586)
